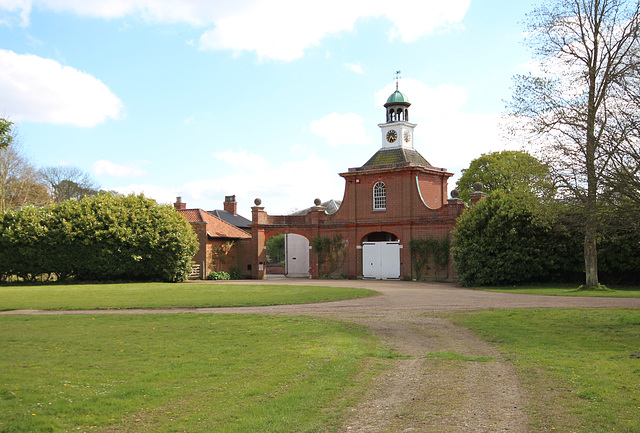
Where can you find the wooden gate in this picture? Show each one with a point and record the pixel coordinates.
(381, 260)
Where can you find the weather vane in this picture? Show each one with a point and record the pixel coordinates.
(397, 78)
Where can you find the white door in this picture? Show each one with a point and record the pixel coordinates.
(370, 259)
(381, 260)
(297, 256)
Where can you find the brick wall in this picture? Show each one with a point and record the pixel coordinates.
(416, 208)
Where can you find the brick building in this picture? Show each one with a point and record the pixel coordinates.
(222, 246)
(396, 196)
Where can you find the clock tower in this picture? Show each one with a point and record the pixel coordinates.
(397, 132)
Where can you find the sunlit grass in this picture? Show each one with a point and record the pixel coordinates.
(168, 372)
(582, 367)
(166, 295)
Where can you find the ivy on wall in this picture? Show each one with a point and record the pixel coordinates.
(331, 253)
(425, 252)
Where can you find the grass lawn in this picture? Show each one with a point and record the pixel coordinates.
(582, 367)
(566, 290)
(180, 372)
(166, 295)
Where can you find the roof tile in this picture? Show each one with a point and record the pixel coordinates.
(215, 226)
(396, 156)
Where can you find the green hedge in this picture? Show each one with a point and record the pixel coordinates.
(512, 238)
(501, 240)
(105, 237)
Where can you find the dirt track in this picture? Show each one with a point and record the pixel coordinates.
(419, 394)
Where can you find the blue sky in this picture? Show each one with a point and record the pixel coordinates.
(257, 98)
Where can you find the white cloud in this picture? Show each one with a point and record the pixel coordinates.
(193, 12)
(341, 129)
(354, 67)
(425, 17)
(42, 90)
(266, 27)
(104, 167)
(272, 29)
(425, 101)
(532, 67)
(242, 160)
(16, 11)
(282, 188)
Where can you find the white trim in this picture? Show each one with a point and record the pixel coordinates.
(380, 198)
(420, 194)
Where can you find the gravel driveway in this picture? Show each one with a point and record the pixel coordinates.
(419, 394)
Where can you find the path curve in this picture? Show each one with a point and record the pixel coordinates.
(419, 394)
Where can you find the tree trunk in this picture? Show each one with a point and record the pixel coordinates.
(591, 205)
(590, 256)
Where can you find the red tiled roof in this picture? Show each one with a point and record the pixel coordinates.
(215, 226)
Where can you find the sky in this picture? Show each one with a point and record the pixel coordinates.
(253, 98)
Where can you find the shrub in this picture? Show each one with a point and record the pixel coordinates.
(104, 237)
(503, 240)
(219, 275)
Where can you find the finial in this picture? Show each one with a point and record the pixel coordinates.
(397, 78)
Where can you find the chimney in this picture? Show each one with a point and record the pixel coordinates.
(230, 204)
(178, 205)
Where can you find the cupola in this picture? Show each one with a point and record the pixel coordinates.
(397, 132)
(397, 106)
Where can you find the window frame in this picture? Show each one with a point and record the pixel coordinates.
(379, 195)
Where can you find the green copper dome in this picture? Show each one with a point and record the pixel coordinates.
(397, 97)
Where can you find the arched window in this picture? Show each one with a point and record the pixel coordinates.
(379, 196)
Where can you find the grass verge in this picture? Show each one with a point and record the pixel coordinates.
(566, 290)
(166, 295)
(167, 372)
(581, 367)
(455, 356)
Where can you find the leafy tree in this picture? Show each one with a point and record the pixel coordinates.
(503, 239)
(584, 108)
(275, 249)
(68, 183)
(6, 134)
(509, 170)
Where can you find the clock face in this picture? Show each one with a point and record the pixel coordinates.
(392, 136)
(407, 136)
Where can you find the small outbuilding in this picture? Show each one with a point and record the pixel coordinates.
(223, 246)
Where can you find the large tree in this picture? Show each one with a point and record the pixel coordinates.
(584, 106)
(66, 183)
(19, 180)
(510, 171)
